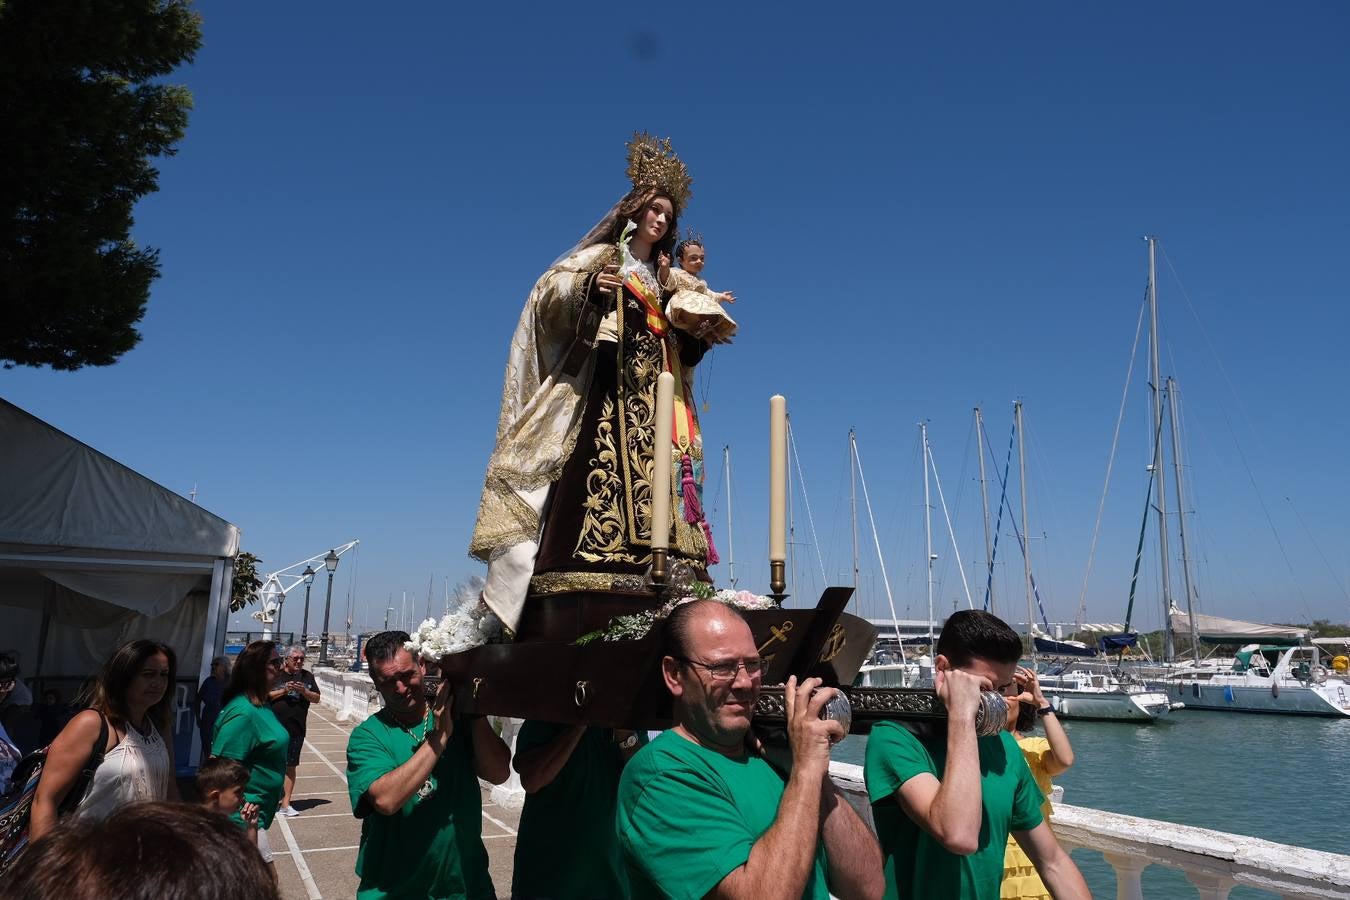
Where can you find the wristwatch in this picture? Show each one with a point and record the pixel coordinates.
(628, 743)
(1045, 711)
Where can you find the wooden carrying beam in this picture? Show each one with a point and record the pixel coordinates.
(618, 683)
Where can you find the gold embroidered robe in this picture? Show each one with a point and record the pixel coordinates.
(596, 489)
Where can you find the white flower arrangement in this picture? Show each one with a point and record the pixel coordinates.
(469, 625)
(741, 599)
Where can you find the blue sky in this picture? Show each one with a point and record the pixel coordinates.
(922, 208)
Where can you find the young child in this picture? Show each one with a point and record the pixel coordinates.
(220, 785)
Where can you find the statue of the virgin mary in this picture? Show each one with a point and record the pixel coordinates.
(566, 504)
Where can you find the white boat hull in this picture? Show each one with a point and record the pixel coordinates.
(1328, 699)
(1105, 705)
(890, 676)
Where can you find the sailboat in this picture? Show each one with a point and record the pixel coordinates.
(1276, 670)
(888, 666)
(1074, 688)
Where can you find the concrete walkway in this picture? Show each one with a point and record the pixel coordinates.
(316, 850)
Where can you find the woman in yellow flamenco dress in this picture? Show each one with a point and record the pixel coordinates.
(1046, 757)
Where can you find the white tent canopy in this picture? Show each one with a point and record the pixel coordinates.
(93, 554)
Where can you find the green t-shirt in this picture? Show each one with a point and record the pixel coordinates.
(688, 817)
(252, 735)
(917, 866)
(567, 848)
(433, 847)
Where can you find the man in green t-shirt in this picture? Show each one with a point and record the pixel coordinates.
(412, 772)
(700, 812)
(944, 804)
(566, 848)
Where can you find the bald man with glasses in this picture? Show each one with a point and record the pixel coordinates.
(702, 814)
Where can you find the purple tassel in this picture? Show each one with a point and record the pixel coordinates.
(713, 558)
(693, 510)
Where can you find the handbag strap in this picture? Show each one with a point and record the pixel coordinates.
(100, 747)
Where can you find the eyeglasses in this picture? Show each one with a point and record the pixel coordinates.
(297, 659)
(726, 671)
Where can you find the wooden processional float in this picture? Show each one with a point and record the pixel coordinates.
(546, 674)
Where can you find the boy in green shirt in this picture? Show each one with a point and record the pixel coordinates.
(700, 812)
(412, 772)
(944, 804)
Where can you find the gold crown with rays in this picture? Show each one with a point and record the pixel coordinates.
(652, 164)
(690, 236)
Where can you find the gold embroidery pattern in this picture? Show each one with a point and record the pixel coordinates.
(564, 582)
(617, 517)
(637, 429)
(602, 525)
(504, 518)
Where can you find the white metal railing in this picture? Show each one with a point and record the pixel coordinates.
(1214, 861)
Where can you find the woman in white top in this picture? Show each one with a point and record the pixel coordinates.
(9, 751)
(133, 695)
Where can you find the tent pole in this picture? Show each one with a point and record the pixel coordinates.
(213, 640)
(43, 633)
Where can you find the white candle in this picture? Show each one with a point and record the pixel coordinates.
(661, 467)
(777, 478)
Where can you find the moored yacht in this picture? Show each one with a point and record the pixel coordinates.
(1262, 678)
(888, 667)
(1077, 691)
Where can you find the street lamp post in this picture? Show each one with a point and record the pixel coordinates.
(281, 605)
(330, 563)
(308, 574)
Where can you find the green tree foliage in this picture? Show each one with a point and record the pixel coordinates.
(244, 588)
(82, 115)
(1327, 628)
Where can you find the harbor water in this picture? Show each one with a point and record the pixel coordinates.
(1281, 778)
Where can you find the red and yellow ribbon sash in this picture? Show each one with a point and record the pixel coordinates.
(684, 428)
(657, 322)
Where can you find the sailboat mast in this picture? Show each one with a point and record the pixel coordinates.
(984, 499)
(853, 503)
(927, 532)
(1026, 535)
(1156, 379)
(731, 551)
(1181, 517)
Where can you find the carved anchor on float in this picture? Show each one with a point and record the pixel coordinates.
(778, 633)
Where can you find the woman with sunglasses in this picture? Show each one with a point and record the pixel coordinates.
(248, 731)
(1046, 757)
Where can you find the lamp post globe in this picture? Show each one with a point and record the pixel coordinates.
(330, 562)
(308, 575)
